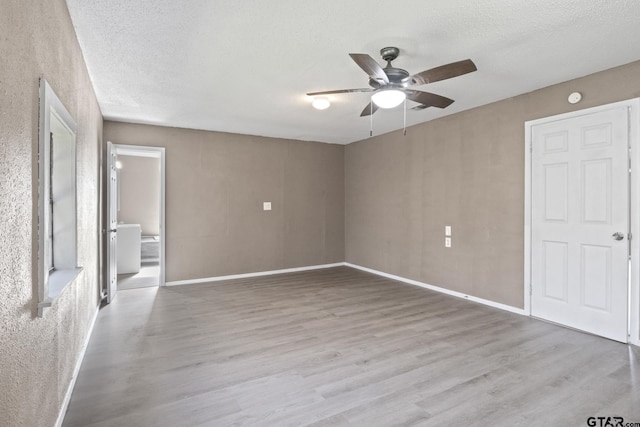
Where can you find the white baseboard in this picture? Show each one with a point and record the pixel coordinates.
(256, 274)
(76, 370)
(442, 290)
(358, 267)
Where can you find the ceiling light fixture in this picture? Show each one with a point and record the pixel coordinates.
(118, 164)
(389, 98)
(321, 102)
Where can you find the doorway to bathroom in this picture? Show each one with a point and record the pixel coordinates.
(136, 215)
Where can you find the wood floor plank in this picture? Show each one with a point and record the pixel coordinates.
(340, 347)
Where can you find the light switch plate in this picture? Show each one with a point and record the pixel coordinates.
(447, 242)
(266, 206)
(447, 230)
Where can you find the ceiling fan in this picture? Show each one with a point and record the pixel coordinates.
(390, 85)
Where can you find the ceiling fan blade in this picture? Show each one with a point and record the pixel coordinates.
(369, 109)
(331, 92)
(370, 66)
(444, 72)
(420, 107)
(428, 99)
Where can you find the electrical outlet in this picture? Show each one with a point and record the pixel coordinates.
(266, 206)
(447, 242)
(447, 230)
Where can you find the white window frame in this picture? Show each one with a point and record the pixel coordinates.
(57, 235)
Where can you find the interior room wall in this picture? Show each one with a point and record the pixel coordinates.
(216, 184)
(467, 171)
(139, 181)
(38, 355)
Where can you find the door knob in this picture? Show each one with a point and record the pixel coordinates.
(618, 235)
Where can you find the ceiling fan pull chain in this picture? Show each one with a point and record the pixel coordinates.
(404, 130)
(371, 115)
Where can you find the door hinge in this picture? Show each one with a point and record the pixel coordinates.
(629, 236)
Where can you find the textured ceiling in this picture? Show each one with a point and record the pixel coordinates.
(245, 66)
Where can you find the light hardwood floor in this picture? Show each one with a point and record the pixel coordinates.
(148, 276)
(340, 347)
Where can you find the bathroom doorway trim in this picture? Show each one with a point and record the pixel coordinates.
(159, 153)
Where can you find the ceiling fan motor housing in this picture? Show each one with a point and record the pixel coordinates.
(397, 76)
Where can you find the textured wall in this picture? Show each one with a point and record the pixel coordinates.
(139, 181)
(37, 355)
(215, 186)
(464, 170)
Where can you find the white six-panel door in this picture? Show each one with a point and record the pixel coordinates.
(579, 201)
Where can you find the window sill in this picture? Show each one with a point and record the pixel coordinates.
(59, 280)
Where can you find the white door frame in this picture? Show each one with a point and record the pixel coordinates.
(633, 106)
(157, 152)
(111, 276)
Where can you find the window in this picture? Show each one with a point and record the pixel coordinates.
(57, 226)
(49, 207)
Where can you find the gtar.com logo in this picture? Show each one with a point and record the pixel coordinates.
(606, 422)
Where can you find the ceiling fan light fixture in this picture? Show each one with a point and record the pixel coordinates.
(320, 103)
(389, 98)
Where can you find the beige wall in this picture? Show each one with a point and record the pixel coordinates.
(37, 355)
(215, 186)
(464, 170)
(139, 181)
